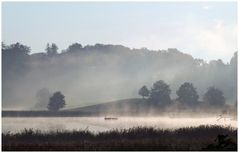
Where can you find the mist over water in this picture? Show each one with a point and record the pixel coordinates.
(98, 124)
(82, 86)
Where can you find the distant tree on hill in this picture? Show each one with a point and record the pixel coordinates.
(18, 49)
(74, 47)
(214, 97)
(233, 60)
(15, 60)
(144, 92)
(48, 48)
(187, 94)
(4, 46)
(56, 102)
(160, 93)
(51, 49)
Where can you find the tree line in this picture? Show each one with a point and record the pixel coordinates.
(159, 95)
(82, 68)
(187, 95)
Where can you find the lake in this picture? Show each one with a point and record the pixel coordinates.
(98, 124)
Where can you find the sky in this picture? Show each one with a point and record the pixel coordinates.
(206, 30)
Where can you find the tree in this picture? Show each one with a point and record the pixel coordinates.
(56, 102)
(4, 46)
(214, 97)
(144, 92)
(54, 48)
(51, 49)
(15, 60)
(187, 94)
(160, 93)
(16, 49)
(74, 47)
(48, 48)
(233, 60)
(42, 97)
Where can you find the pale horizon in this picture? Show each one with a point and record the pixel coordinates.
(205, 30)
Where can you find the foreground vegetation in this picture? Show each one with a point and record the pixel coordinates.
(139, 138)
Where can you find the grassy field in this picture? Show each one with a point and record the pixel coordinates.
(127, 107)
(135, 139)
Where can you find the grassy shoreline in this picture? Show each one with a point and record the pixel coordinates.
(138, 138)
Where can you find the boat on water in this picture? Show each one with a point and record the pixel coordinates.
(111, 118)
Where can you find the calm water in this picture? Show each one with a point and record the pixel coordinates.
(97, 124)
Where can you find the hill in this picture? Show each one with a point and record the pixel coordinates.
(89, 74)
(123, 107)
(132, 105)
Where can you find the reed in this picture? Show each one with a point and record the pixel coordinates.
(138, 138)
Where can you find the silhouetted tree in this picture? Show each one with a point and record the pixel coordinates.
(74, 47)
(214, 97)
(144, 92)
(4, 46)
(15, 59)
(233, 60)
(160, 93)
(17, 48)
(56, 102)
(54, 47)
(48, 47)
(187, 94)
(51, 49)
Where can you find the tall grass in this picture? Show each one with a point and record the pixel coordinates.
(138, 138)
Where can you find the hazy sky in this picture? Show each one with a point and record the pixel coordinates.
(205, 30)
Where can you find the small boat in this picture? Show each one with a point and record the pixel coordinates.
(111, 118)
